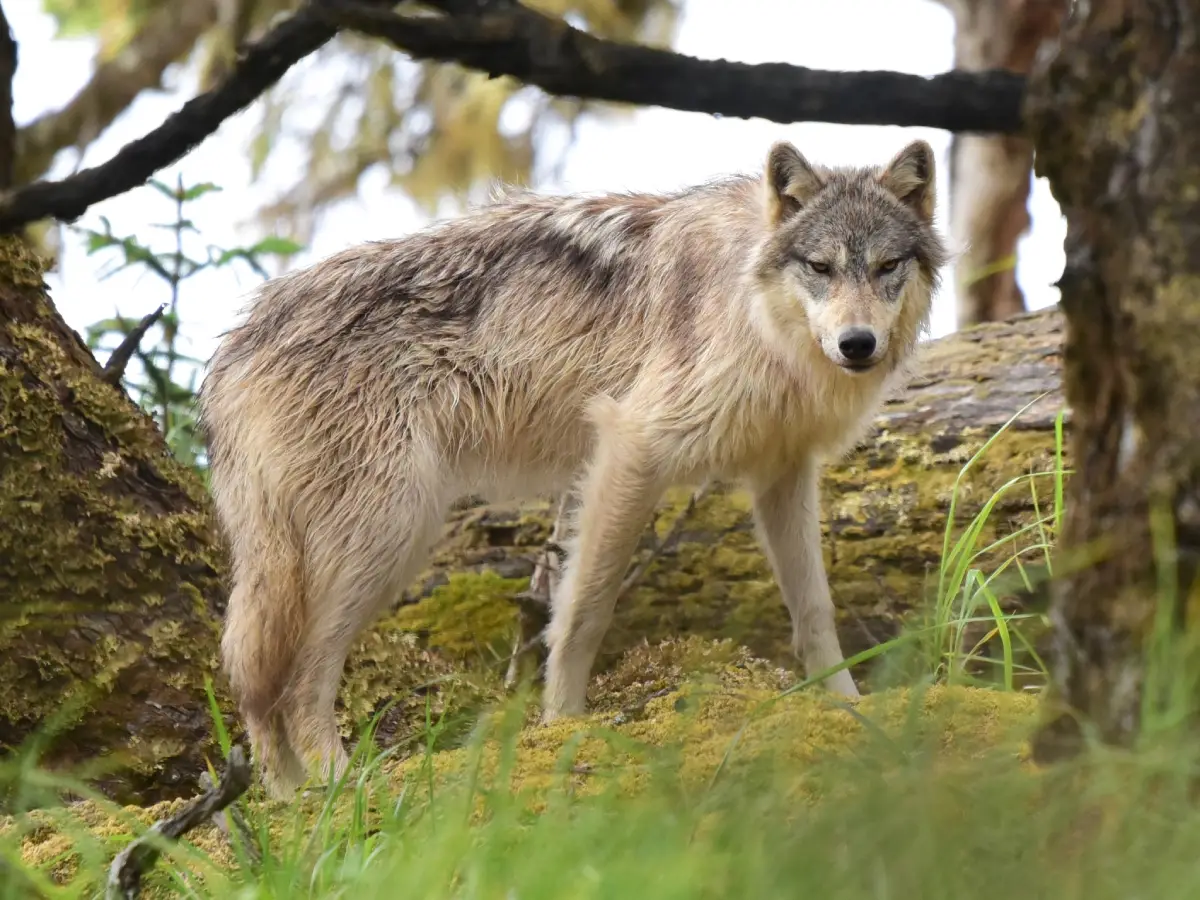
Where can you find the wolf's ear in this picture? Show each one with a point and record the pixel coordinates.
(790, 182)
(910, 176)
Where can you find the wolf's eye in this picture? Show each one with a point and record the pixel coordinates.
(889, 265)
(819, 267)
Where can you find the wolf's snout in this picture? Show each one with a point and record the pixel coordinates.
(856, 344)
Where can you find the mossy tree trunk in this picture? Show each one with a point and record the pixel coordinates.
(110, 590)
(1116, 121)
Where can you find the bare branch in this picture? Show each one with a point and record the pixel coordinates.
(167, 35)
(667, 543)
(125, 874)
(535, 604)
(222, 819)
(114, 369)
(505, 38)
(263, 64)
(8, 128)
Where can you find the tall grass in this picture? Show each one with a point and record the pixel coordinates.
(965, 590)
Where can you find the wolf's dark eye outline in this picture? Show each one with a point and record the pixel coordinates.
(819, 267)
(890, 265)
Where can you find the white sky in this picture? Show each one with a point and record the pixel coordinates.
(653, 149)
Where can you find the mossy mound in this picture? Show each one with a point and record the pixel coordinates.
(668, 713)
(735, 721)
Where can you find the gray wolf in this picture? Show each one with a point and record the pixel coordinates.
(609, 346)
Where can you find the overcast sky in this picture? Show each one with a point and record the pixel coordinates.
(653, 149)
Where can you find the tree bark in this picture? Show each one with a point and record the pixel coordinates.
(990, 174)
(8, 128)
(1116, 120)
(111, 592)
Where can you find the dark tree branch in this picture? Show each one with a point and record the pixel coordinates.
(505, 38)
(8, 128)
(114, 369)
(125, 874)
(501, 37)
(263, 64)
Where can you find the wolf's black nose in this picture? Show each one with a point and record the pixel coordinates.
(856, 344)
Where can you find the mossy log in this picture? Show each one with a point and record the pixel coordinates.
(885, 510)
(111, 577)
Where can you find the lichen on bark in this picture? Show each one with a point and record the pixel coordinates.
(110, 590)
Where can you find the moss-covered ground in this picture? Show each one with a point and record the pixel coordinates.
(679, 717)
(701, 772)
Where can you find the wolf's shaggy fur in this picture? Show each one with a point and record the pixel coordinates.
(613, 346)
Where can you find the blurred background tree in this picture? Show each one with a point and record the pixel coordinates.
(441, 132)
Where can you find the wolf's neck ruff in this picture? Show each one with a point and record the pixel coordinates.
(609, 345)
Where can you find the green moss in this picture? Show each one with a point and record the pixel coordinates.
(19, 264)
(884, 508)
(471, 616)
(390, 675)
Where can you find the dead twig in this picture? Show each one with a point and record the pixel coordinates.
(125, 873)
(535, 603)
(114, 369)
(222, 818)
(667, 543)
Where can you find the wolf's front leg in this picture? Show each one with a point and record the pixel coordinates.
(787, 515)
(616, 498)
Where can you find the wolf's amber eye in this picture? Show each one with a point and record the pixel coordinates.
(889, 265)
(818, 267)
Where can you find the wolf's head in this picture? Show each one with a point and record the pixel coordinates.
(851, 259)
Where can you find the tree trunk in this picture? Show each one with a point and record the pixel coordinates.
(110, 592)
(110, 566)
(990, 174)
(1116, 120)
